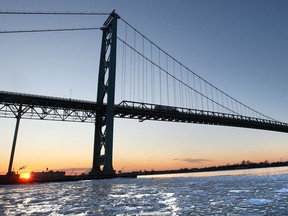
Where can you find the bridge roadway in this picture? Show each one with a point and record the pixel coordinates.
(63, 109)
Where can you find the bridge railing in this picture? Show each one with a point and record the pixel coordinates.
(148, 111)
(61, 109)
(44, 107)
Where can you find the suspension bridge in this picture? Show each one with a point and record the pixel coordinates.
(152, 86)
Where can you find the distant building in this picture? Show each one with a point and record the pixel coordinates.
(47, 176)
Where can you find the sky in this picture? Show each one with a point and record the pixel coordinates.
(239, 46)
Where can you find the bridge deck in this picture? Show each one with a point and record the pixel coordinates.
(143, 111)
(62, 109)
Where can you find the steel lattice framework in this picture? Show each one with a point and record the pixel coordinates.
(27, 106)
(146, 111)
(61, 109)
(103, 140)
(46, 108)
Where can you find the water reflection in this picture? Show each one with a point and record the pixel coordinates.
(256, 171)
(238, 192)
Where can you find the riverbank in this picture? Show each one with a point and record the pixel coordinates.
(57, 176)
(51, 176)
(241, 166)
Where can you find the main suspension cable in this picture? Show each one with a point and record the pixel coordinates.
(199, 77)
(47, 30)
(54, 13)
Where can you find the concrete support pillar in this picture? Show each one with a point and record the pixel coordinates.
(15, 139)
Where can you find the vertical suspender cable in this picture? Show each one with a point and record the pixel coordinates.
(152, 76)
(122, 77)
(181, 89)
(206, 94)
(180, 92)
(218, 108)
(146, 80)
(201, 97)
(134, 65)
(124, 56)
(223, 105)
(167, 81)
(188, 94)
(159, 56)
(143, 74)
(174, 85)
(196, 95)
(232, 107)
(139, 74)
(131, 75)
(212, 98)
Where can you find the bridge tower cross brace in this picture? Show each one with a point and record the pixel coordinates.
(103, 137)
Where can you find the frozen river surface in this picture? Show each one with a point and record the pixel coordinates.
(222, 194)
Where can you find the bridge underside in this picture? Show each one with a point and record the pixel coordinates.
(26, 106)
(142, 111)
(61, 109)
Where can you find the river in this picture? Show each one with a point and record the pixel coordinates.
(242, 192)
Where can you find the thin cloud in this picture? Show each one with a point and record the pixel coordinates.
(191, 160)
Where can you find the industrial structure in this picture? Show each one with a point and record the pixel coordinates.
(104, 110)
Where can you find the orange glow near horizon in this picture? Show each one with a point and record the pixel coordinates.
(25, 175)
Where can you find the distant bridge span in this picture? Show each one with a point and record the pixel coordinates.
(63, 109)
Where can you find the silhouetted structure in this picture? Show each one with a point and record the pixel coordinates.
(216, 107)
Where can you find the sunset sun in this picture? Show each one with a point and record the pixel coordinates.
(25, 175)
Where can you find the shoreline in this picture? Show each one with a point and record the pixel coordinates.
(13, 178)
(243, 166)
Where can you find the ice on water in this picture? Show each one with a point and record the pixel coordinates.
(212, 195)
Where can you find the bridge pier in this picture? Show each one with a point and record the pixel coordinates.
(18, 117)
(104, 124)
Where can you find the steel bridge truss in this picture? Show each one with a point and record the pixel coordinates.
(146, 111)
(26, 106)
(61, 109)
(46, 108)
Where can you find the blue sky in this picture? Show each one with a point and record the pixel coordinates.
(239, 46)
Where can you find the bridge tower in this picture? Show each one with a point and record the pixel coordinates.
(103, 137)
